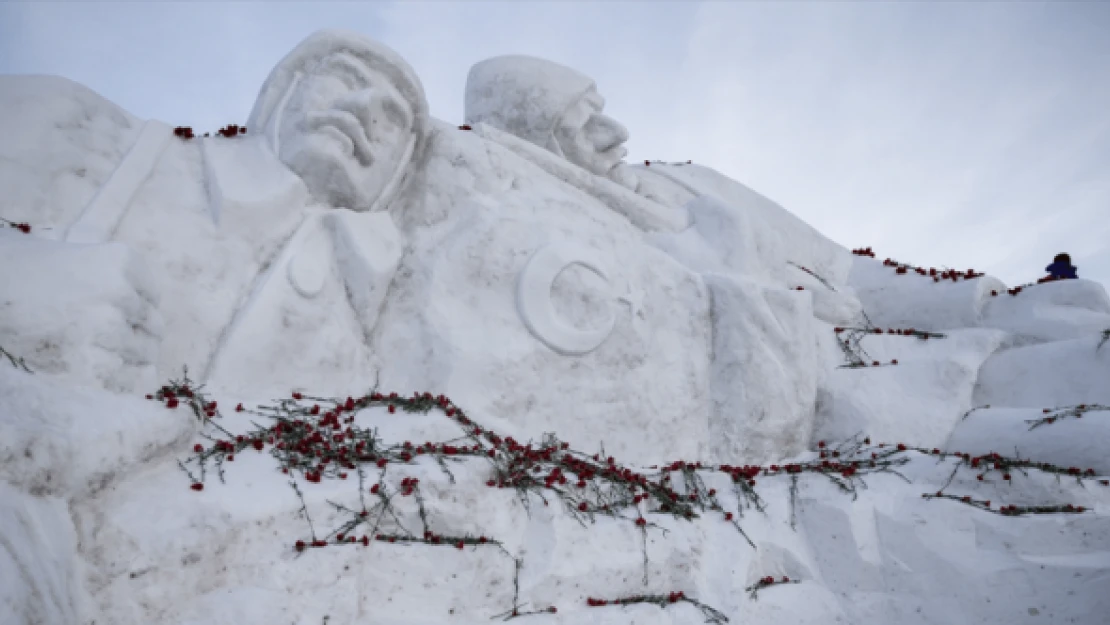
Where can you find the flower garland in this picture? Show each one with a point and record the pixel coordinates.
(711, 615)
(1067, 412)
(228, 131)
(936, 274)
(318, 439)
(767, 582)
(810, 272)
(22, 226)
(648, 163)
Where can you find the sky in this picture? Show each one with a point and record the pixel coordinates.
(963, 135)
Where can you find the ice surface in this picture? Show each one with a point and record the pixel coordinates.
(652, 322)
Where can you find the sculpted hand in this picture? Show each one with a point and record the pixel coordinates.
(88, 312)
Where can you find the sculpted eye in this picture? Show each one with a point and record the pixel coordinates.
(396, 113)
(594, 125)
(348, 69)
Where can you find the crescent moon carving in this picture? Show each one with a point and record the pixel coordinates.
(533, 298)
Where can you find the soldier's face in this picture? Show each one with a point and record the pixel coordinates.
(345, 130)
(589, 138)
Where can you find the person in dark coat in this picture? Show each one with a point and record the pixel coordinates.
(1061, 268)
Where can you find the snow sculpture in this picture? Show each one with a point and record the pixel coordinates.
(541, 109)
(483, 266)
(549, 105)
(522, 101)
(348, 115)
(343, 120)
(560, 110)
(507, 307)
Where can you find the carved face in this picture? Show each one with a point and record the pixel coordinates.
(590, 139)
(345, 131)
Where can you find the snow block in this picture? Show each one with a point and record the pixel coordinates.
(909, 300)
(916, 402)
(1060, 373)
(764, 372)
(1067, 442)
(1052, 311)
(837, 305)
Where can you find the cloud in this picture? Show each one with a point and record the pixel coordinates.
(967, 135)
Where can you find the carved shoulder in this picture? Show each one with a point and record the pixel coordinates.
(62, 141)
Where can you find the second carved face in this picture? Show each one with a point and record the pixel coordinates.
(589, 138)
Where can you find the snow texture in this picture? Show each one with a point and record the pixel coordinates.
(649, 313)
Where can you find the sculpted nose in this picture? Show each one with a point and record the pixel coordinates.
(374, 106)
(359, 104)
(609, 133)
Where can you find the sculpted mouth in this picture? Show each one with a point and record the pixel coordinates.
(349, 126)
(615, 157)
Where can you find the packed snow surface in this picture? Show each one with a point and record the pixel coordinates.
(631, 394)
